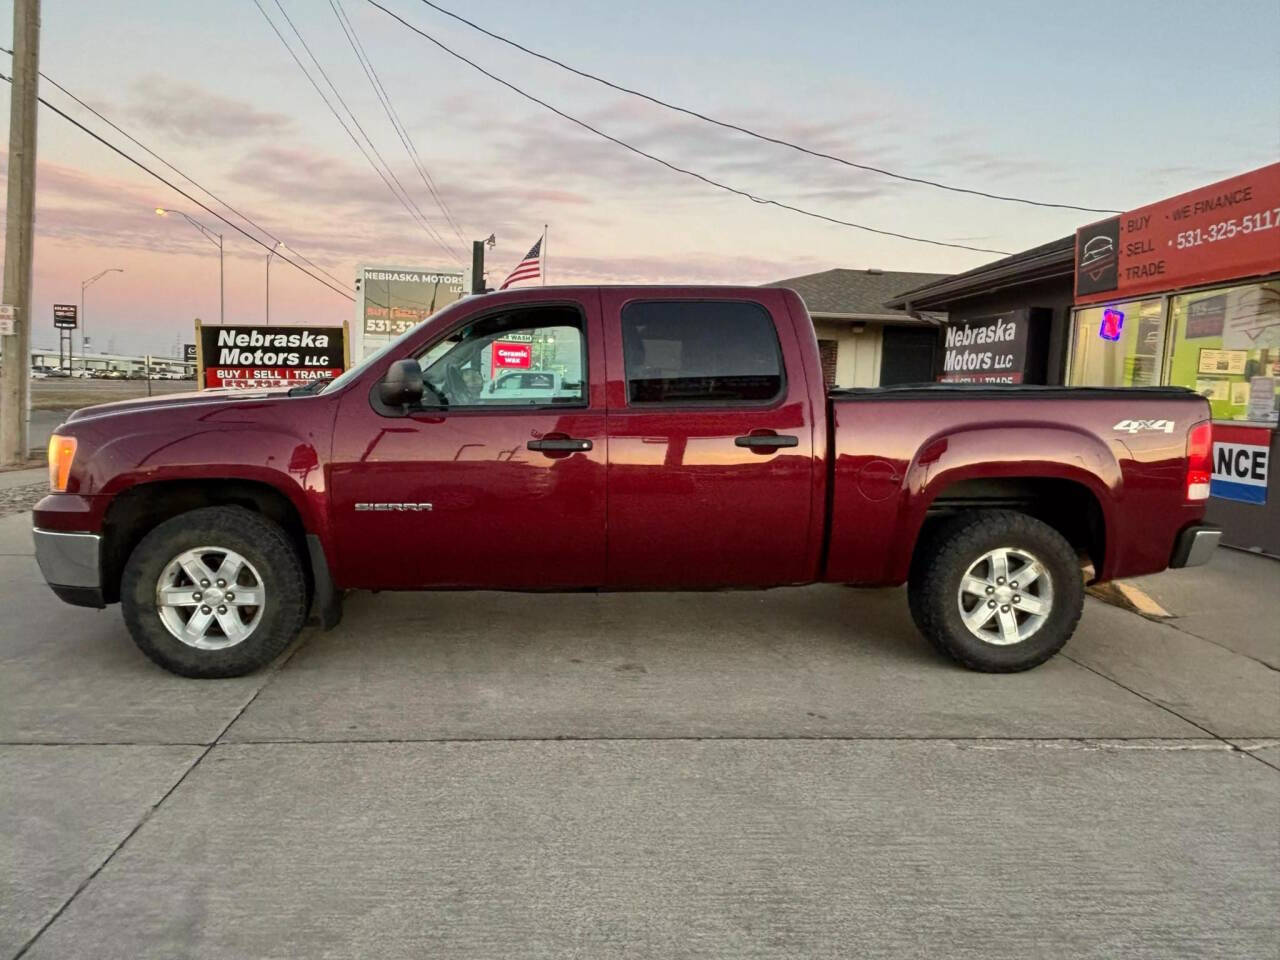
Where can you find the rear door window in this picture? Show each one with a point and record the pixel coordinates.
(697, 352)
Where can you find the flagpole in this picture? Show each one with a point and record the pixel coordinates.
(544, 254)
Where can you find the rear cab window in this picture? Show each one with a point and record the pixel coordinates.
(700, 352)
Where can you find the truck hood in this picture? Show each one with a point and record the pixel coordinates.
(173, 401)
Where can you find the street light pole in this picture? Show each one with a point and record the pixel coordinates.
(271, 253)
(216, 240)
(84, 285)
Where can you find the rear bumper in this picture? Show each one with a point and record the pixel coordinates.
(70, 564)
(1195, 545)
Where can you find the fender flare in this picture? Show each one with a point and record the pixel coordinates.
(1029, 450)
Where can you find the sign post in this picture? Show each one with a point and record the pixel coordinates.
(65, 319)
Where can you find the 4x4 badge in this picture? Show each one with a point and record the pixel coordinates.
(1136, 426)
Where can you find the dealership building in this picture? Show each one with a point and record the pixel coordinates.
(1182, 292)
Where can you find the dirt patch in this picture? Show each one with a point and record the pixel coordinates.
(22, 499)
(65, 394)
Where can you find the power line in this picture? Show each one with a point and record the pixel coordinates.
(764, 201)
(389, 176)
(754, 133)
(176, 189)
(128, 136)
(366, 62)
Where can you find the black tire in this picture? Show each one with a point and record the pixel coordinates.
(259, 541)
(942, 562)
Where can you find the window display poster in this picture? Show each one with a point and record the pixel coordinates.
(1223, 362)
(1240, 393)
(1205, 317)
(1252, 317)
(1262, 399)
(1213, 390)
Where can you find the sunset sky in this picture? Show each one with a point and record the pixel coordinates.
(1099, 104)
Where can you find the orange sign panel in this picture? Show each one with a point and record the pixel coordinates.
(1224, 231)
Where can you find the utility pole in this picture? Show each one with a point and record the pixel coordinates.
(477, 266)
(14, 372)
(477, 261)
(273, 252)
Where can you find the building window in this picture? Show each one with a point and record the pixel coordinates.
(827, 353)
(1123, 352)
(1226, 347)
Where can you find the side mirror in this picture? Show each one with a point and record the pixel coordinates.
(402, 384)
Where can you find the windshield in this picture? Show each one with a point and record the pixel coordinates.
(348, 375)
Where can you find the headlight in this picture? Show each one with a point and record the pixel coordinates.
(62, 451)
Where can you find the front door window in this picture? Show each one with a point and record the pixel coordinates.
(531, 357)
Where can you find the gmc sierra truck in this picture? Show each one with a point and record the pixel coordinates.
(687, 443)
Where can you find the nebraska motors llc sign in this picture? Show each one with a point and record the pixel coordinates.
(255, 357)
(986, 350)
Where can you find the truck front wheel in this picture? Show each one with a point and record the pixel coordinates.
(998, 591)
(215, 592)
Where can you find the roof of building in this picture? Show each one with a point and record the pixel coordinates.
(855, 294)
(1049, 260)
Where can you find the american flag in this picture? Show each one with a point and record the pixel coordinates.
(530, 268)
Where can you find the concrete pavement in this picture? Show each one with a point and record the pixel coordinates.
(789, 773)
(1232, 602)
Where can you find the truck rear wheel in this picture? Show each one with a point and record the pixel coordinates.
(998, 591)
(215, 592)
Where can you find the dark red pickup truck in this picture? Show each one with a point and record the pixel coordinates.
(657, 438)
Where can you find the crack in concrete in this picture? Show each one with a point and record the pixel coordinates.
(981, 743)
(1173, 622)
(1169, 709)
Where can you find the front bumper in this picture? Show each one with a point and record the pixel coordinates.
(1195, 545)
(71, 566)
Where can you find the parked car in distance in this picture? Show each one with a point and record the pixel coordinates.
(38, 373)
(526, 386)
(58, 372)
(690, 445)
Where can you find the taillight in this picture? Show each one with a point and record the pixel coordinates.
(1199, 460)
(62, 451)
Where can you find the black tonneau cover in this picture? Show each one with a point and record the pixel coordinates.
(1021, 391)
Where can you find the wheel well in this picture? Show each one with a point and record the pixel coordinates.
(1069, 507)
(138, 510)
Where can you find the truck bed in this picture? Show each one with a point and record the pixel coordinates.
(1094, 459)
